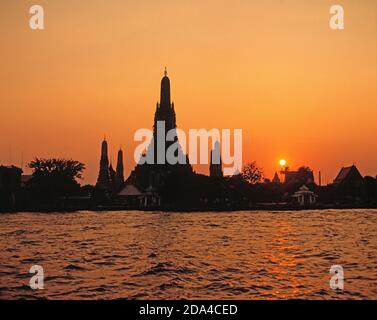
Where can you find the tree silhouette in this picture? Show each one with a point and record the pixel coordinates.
(68, 169)
(305, 170)
(54, 178)
(252, 173)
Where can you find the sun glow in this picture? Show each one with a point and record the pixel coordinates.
(282, 162)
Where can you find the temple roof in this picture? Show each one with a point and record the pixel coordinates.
(302, 191)
(347, 173)
(130, 189)
(276, 179)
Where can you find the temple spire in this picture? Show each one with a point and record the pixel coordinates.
(103, 180)
(215, 168)
(165, 91)
(166, 72)
(120, 169)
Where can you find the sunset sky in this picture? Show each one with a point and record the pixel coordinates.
(299, 90)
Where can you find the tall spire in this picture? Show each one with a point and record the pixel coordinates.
(166, 72)
(165, 91)
(120, 169)
(104, 156)
(215, 168)
(103, 180)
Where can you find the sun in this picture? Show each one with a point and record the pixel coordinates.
(282, 162)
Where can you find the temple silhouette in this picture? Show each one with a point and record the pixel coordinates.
(163, 185)
(150, 184)
(109, 179)
(176, 186)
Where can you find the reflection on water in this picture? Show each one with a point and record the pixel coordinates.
(230, 255)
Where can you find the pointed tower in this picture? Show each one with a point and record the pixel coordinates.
(165, 91)
(103, 181)
(165, 109)
(215, 168)
(112, 175)
(156, 175)
(164, 113)
(119, 177)
(276, 178)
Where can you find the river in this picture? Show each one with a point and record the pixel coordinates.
(206, 255)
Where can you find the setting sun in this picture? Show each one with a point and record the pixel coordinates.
(282, 162)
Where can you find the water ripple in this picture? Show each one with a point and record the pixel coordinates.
(227, 255)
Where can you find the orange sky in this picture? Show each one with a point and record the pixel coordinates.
(298, 89)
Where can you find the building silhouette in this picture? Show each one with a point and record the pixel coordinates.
(155, 180)
(158, 183)
(165, 109)
(348, 175)
(165, 121)
(276, 179)
(119, 176)
(103, 180)
(108, 179)
(10, 185)
(302, 176)
(215, 168)
(304, 196)
(112, 175)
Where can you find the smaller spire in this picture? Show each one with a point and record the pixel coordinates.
(166, 72)
(215, 167)
(276, 178)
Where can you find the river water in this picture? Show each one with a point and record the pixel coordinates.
(207, 255)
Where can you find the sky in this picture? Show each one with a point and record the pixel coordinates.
(298, 90)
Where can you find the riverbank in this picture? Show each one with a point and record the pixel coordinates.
(255, 207)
